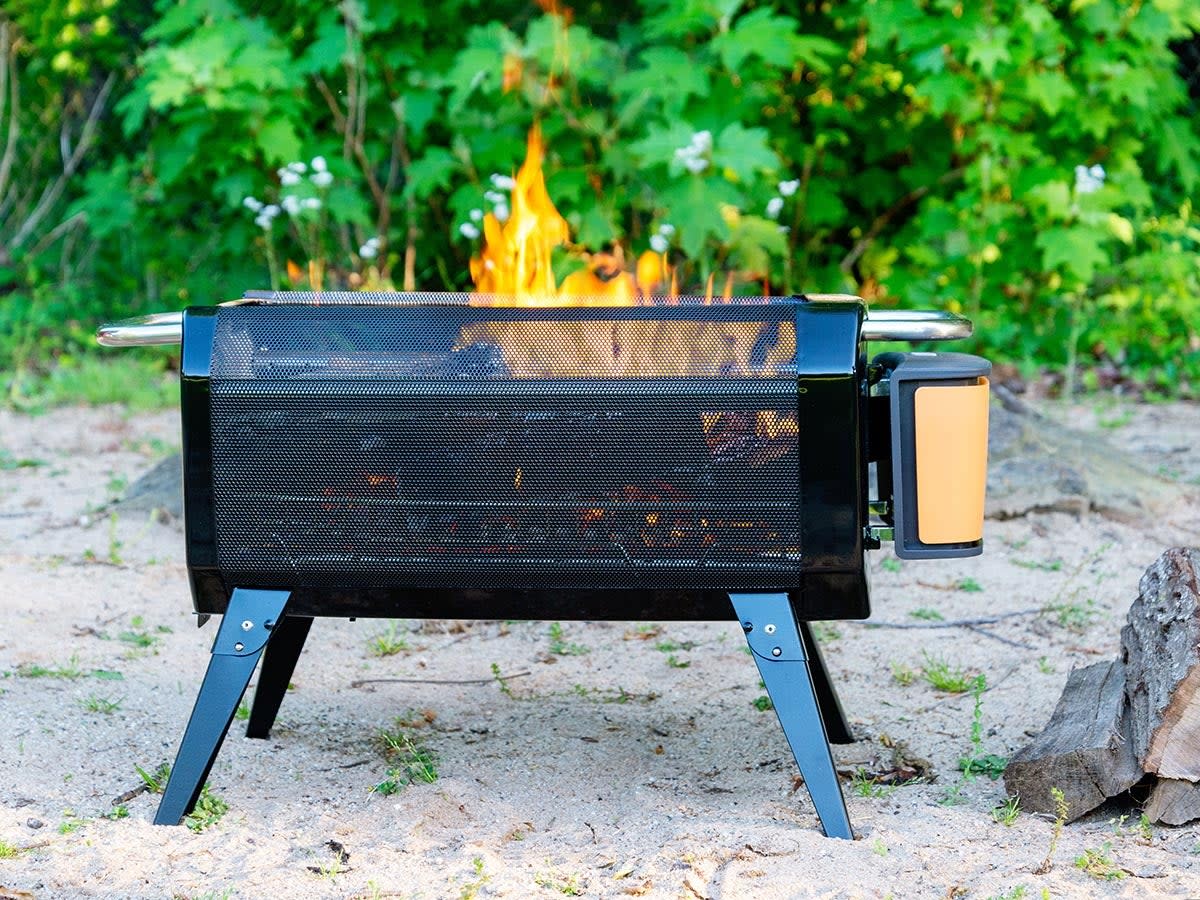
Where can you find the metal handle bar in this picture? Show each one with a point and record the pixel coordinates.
(881, 325)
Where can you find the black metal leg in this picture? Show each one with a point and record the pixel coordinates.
(279, 661)
(836, 725)
(245, 630)
(774, 637)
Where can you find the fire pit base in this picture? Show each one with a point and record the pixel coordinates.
(255, 621)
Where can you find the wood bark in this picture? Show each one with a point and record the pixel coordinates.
(1136, 716)
(1161, 649)
(1083, 750)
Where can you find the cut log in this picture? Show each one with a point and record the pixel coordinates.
(1173, 802)
(1161, 650)
(1082, 751)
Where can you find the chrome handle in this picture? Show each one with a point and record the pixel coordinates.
(914, 325)
(143, 331)
(880, 325)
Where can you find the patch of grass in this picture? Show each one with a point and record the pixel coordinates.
(101, 705)
(389, 642)
(502, 683)
(9, 851)
(569, 885)
(70, 670)
(977, 762)
(927, 614)
(1073, 615)
(210, 809)
(70, 823)
(120, 811)
(669, 646)
(138, 636)
(1006, 813)
(763, 703)
(155, 781)
(969, 586)
(613, 695)
(470, 890)
(1099, 864)
(1017, 893)
(890, 564)
(242, 713)
(10, 463)
(410, 763)
(943, 676)
(559, 646)
(676, 663)
(825, 631)
(903, 675)
(1045, 666)
(1061, 810)
(137, 381)
(879, 848)
(1053, 565)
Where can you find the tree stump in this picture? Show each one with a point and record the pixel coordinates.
(1136, 716)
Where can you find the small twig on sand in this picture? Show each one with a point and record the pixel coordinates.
(952, 623)
(491, 680)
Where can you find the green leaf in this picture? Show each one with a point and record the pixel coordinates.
(744, 152)
(1050, 90)
(1077, 251)
(1179, 150)
(325, 54)
(416, 109)
(668, 74)
(278, 141)
(1055, 196)
(989, 49)
(660, 143)
(429, 173)
(695, 207)
(752, 243)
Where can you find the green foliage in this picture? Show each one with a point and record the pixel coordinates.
(1027, 163)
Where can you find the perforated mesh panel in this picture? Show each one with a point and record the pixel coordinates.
(463, 447)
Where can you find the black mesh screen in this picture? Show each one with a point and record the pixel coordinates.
(464, 447)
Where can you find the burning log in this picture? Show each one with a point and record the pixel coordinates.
(1118, 722)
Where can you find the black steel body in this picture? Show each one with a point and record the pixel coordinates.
(418, 458)
(264, 448)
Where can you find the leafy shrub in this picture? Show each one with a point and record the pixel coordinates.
(1025, 162)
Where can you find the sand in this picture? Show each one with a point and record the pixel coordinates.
(637, 765)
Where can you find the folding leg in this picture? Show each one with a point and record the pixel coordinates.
(279, 661)
(774, 637)
(245, 630)
(831, 708)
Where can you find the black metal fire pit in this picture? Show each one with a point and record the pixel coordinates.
(423, 455)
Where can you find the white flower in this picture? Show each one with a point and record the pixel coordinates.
(702, 141)
(318, 164)
(476, 215)
(695, 165)
(495, 197)
(787, 188)
(263, 221)
(501, 212)
(503, 182)
(774, 207)
(270, 211)
(251, 204)
(290, 204)
(1089, 180)
(666, 229)
(683, 154)
(785, 229)
(289, 179)
(321, 178)
(312, 203)
(298, 167)
(467, 230)
(368, 250)
(658, 243)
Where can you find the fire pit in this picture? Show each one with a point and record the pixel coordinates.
(424, 455)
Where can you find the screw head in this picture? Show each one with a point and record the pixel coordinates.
(247, 625)
(770, 629)
(239, 646)
(776, 651)
(747, 627)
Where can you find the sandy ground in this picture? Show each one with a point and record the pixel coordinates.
(636, 765)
